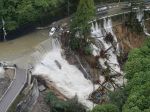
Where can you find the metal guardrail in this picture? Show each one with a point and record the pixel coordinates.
(24, 82)
(9, 85)
(18, 92)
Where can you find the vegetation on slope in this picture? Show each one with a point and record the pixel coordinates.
(80, 27)
(138, 74)
(24, 14)
(105, 108)
(135, 97)
(19, 12)
(57, 105)
(115, 1)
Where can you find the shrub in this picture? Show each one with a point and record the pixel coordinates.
(57, 105)
(105, 108)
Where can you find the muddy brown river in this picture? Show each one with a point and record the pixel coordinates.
(19, 50)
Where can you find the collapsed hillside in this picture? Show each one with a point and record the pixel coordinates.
(101, 71)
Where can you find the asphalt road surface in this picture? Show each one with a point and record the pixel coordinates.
(14, 90)
(112, 9)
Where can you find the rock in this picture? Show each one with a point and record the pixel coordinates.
(41, 88)
(2, 71)
(58, 64)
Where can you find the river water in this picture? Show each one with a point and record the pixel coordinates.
(20, 48)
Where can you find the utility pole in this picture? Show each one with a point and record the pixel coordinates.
(118, 2)
(68, 8)
(4, 31)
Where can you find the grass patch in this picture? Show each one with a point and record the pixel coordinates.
(13, 107)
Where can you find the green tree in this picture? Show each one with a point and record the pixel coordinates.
(138, 74)
(138, 89)
(57, 105)
(21, 13)
(26, 12)
(8, 13)
(118, 98)
(85, 13)
(135, 97)
(80, 27)
(105, 108)
(138, 60)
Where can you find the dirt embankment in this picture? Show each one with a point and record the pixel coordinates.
(147, 25)
(128, 39)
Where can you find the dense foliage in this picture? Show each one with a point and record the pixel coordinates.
(24, 14)
(84, 14)
(18, 14)
(138, 74)
(117, 1)
(57, 105)
(80, 27)
(118, 98)
(105, 108)
(135, 96)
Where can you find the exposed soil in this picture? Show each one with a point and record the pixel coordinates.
(128, 39)
(147, 25)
